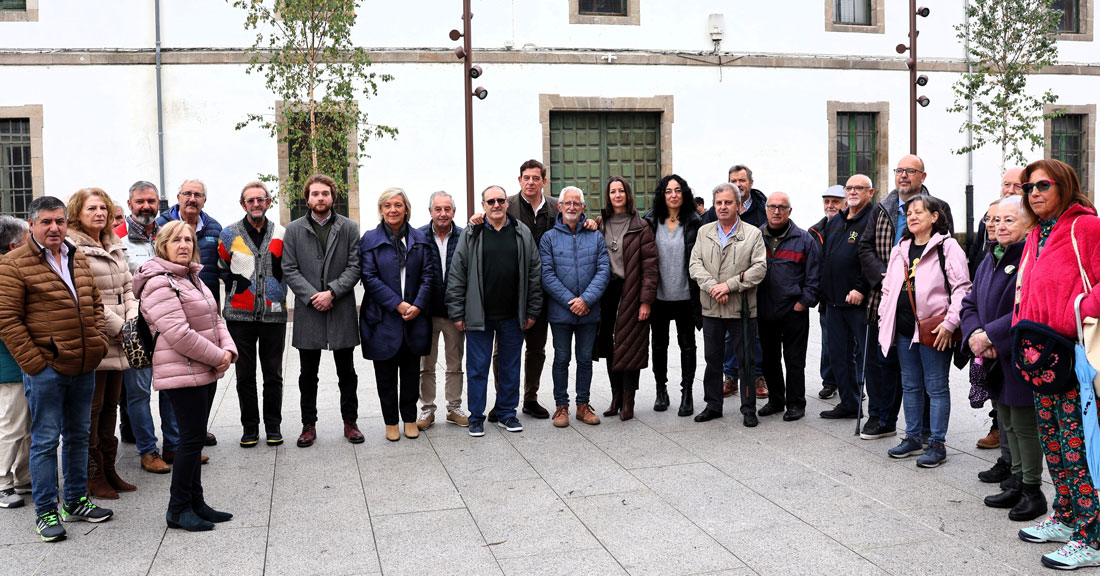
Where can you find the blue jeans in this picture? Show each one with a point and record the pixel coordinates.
(563, 337)
(479, 356)
(925, 370)
(59, 405)
(731, 365)
(138, 384)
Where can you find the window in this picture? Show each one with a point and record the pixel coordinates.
(13, 4)
(296, 164)
(1071, 15)
(18, 10)
(863, 16)
(858, 137)
(605, 12)
(856, 12)
(15, 166)
(1071, 138)
(603, 7)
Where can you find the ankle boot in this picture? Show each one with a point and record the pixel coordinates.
(1032, 505)
(687, 407)
(628, 405)
(97, 481)
(204, 511)
(1007, 499)
(616, 402)
(187, 520)
(111, 474)
(661, 404)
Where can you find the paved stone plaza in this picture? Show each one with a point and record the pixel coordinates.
(658, 495)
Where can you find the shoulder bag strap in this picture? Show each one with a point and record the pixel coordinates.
(1077, 252)
(909, 288)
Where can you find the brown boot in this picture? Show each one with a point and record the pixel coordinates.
(120, 485)
(761, 387)
(586, 415)
(561, 416)
(97, 481)
(616, 402)
(992, 441)
(628, 405)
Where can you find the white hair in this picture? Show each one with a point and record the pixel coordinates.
(561, 195)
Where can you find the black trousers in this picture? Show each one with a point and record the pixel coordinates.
(663, 315)
(784, 340)
(393, 397)
(345, 373)
(271, 338)
(714, 353)
(191, 406)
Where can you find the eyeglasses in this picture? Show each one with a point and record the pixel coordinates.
(1042, 186)
(774, 208)
(856, 188)
(571, 204)
(251, 201)
(199, 195)
(495, 201)
(909, 171)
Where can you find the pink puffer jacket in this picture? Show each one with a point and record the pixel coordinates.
(193, 336)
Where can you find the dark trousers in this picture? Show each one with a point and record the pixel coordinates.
(192, 408)
(609, 307)
(715, 332)
(847, 333)
(348, 382)
(271, 338)
(665, 313)
(534, 358)
(785, 340)
(394, 397)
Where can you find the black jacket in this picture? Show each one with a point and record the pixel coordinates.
(437, 307)
(794, 273)
(841, 271)
(691, 223)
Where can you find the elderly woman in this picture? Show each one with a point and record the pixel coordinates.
(90, 215)
(1050, 281)
(15, 414)
(623, 335)
(397, 275)
(193, 350)
(675, 226)
(987, 324)
(925, 278)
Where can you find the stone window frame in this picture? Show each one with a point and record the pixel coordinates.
(882, 125)
(284, 172)
(632, 18)
(33, 112)
(1089, 111)
(878, 19)
(1086, 16)
(558, 103)
(30, 14)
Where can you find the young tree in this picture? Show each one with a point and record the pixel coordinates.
(1008, 40)
(305, 52)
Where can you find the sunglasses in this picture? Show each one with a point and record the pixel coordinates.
(1042, 186)
(495, 201)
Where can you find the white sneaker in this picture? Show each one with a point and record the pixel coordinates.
(425, 420)
(1049, 530)
(9, 499)
(1072, 556)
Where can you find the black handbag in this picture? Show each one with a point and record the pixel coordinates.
(1044, 357)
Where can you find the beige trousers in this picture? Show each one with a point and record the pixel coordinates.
(453, 346)
(15, 436)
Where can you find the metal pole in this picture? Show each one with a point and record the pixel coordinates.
(160, 110)
(913, 77)
(468, 96)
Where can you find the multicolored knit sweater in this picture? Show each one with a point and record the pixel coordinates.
(254, 285)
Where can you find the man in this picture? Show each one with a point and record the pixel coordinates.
(886, 223)
(575, 272)
(445, 234)
(494, 292)
(844, 290)
(1010, 186)
(51, 319)
(321, 266)
(788, 292)
(833, 202)
(700, 206)
(728, 261)
(15, 415)
(138, 233)
(189, 207)
(251, 253)
(120, 216)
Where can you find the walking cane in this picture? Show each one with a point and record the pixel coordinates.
(863, 377)
(746, 364)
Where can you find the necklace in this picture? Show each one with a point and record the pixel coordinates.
(673, 219)
(614, 247)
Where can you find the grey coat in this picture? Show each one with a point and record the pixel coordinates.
(308, 271)
(464, 294)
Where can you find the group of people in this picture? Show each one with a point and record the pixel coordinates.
(898, 297)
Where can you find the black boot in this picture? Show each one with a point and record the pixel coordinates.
(1032, 505)
(687, 407)
(1000, 471)
(628, 404)
(616, 402)
(1009, 497)
(661, 404)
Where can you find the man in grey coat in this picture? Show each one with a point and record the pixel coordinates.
(321, 266)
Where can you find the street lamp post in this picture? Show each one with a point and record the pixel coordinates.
(914, 79)
(469, 72)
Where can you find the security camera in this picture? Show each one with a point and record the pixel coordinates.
(923, 12)
(923, 101)
(475, 72)
(481, 93)
(922, 80)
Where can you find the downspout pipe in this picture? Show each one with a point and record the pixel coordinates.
(969, 140)
(160, 111)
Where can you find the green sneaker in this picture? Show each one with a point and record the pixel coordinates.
(1049, 530)
(84, 509)
(48, 527)
(1072, 556)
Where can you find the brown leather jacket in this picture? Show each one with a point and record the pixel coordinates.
(40, 321)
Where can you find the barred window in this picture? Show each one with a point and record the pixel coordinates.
(603, 7)
(856, 145)
(1069, 143)
(15, 166)
(857, 12)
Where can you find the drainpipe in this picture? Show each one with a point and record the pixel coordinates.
(969, 141)
(160, 112)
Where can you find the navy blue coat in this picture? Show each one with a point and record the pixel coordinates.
(439, 279)
(208, 247)
(573, 264)
(989, 306)
(794, 273)
(840, 271)
(381, 328)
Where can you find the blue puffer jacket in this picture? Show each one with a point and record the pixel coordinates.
(208, 247)
(573, 264)
(439, 279)
(794, 272)
(9, 368)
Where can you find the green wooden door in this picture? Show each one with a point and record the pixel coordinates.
(587, 148)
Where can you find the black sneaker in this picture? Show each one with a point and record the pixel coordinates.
(838, 413)
(492, 416)
(250, 438)
(511, 424)
(85, 510)
(827, 392)
(874, 430)
(274, 436)
(48, 527)
(1000, 472)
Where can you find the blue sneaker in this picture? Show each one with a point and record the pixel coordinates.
(1049, 530)
(477, 429)
(908, 447)
(511, 424)
(83, 509)
(935, 455)
(1072, 556)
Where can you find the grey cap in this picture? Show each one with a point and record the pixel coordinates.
(834, 192)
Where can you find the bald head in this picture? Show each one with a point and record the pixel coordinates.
(778, 210)
(1011, 183)
(858, 193)
(909, 176)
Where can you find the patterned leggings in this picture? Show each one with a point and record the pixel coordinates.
(1060, 431)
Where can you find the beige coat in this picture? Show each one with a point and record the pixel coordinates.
(112, 276)
(742, 265)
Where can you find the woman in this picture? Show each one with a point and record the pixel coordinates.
(987, 324)
(926, 277)
(623, 336)
(674, 225)
(1050, 281)
(397, 276)
(193, 350)
(89, 213)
